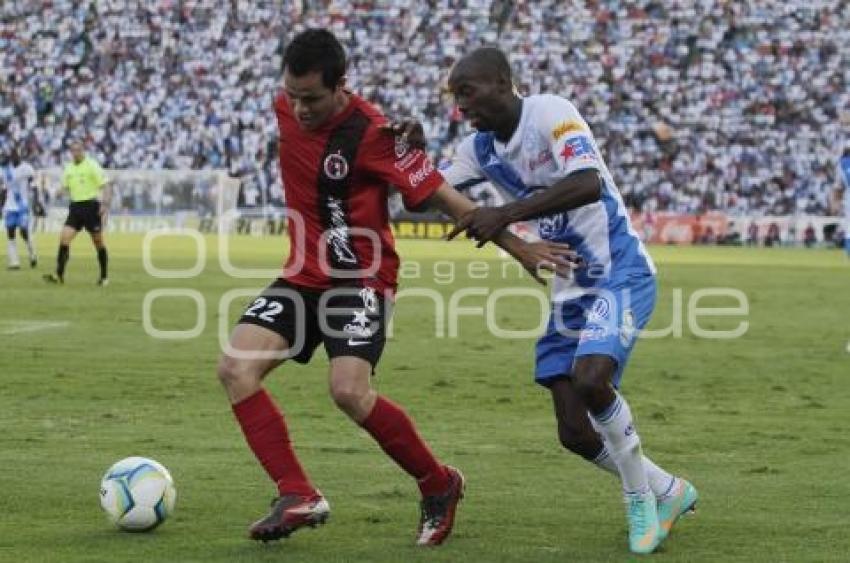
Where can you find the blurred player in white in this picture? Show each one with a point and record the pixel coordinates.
(16, 184)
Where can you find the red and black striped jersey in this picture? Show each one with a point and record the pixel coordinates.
(336, 180)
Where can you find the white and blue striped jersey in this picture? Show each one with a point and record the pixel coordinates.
(552, 141)
(16, 181)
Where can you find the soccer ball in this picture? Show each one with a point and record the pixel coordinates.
(137, 493)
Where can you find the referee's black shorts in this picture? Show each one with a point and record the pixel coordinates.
(85, 214)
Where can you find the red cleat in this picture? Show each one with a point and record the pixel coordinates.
(438, 511)
(289, 513)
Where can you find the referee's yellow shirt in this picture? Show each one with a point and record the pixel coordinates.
(83, 180)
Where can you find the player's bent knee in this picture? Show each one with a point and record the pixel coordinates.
(353, 399)
(349, 386)
(233, 373)
(347, 398)
(588, 384)
(579, 442)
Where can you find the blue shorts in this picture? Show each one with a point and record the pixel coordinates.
(19, 219)
(606, 322)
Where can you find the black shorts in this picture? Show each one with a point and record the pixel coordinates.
(84, 214)
(349, 321)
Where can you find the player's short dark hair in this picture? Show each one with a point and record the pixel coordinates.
(492, 60)
(316, 50)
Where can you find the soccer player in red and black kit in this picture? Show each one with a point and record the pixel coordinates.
(337, 164)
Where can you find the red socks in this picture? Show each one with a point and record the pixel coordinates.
(266, 434)
(390, 426)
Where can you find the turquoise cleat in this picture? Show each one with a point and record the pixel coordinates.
(682, 501)
(645, 531)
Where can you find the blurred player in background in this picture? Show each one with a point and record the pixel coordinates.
(40, 201)
(844, 186)
(337, 286)
(540, 150)
(90, 196)
(17, 182)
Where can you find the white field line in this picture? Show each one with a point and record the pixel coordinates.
(18, 327)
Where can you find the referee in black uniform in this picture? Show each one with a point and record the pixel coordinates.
(90, 196)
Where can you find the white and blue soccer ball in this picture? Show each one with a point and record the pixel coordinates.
(138, 494)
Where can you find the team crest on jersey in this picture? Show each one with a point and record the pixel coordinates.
(336, 167)
(565, 128)
(551, 225)
(600, 311)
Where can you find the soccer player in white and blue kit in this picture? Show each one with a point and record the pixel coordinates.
(16, 179)
(541, 151)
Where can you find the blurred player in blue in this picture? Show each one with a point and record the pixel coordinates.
(844, 185)
(540, 151)
(16, 185)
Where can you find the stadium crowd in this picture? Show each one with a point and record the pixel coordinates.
(699, 105)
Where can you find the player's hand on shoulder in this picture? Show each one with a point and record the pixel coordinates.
(408, 131)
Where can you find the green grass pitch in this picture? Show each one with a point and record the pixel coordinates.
(758, 423)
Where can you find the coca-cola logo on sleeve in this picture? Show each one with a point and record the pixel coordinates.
(416, 178)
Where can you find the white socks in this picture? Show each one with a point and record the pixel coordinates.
(660, 481)
(617, 429)
(12, 254)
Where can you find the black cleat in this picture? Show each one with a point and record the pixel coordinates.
(33, 261)
(103, 282)
(438, 511)
(53, 278)
(288, 514)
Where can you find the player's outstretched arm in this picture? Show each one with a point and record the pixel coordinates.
(577, 189)
(534, 256)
